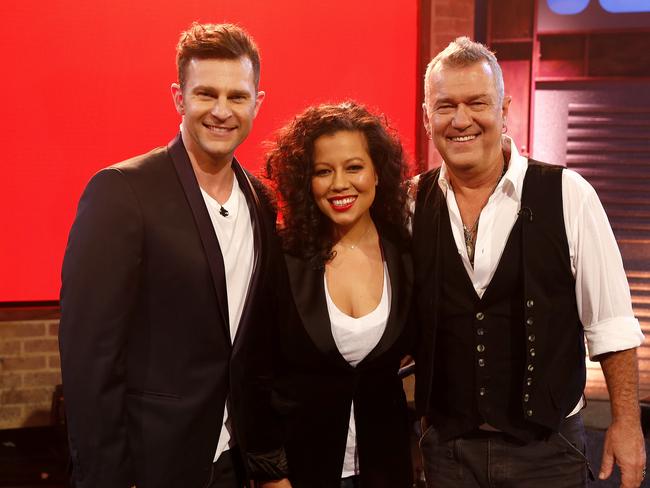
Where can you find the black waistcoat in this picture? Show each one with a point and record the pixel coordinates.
(514, 358)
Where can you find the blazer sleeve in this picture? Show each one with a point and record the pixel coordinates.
(264, 430)
(100, 281)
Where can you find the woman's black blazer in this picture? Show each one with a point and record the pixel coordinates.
(316, 384)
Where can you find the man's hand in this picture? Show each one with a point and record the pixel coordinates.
(284, 483)
(625, 446)
(624, 442)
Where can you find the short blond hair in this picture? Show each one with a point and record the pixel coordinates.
(462, 52)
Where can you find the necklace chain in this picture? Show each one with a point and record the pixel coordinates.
(471, 233)
(356, 244)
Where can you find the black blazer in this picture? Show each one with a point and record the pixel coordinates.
(146, 355)
(318, 385)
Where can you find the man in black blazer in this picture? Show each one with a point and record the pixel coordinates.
(165, 310)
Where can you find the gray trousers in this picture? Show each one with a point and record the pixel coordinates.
(494, 459)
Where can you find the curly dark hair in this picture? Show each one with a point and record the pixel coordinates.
(307, 232)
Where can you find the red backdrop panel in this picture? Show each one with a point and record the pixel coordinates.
(87, 85)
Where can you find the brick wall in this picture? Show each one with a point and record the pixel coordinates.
(447, 20)
(450, 19)
(29, 367)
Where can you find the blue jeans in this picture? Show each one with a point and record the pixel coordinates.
(489, 459)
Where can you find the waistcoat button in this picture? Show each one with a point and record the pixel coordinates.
(530, 303)
(481, 362)
(480, 348)
(480, 316)
(530, 321)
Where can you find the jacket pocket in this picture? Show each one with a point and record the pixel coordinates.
(153, 394)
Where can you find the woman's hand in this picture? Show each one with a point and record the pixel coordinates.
(406, 360)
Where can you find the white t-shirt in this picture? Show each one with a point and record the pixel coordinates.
(355, 338)
(235, 236)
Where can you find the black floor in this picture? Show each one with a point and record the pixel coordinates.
(33, 457)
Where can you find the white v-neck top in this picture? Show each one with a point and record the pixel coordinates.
(355, 338)
(235, 236)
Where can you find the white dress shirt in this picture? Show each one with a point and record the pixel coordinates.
(602, 291)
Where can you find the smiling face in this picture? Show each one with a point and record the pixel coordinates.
(464, 116)
(218, 103)
(344, 179)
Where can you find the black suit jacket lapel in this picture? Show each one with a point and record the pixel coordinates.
(308, 290)
(204, 226)
(259, 225)
(400, 272)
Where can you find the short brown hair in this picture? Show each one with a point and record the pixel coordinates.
(216, 41)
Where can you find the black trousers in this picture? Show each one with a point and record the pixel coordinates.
(228, 471)
(494, 459)
(350, 482)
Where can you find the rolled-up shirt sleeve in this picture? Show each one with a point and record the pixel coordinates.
(602, 291)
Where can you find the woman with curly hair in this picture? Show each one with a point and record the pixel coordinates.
(338, 171)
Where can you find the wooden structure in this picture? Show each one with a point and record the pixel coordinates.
(581, 98)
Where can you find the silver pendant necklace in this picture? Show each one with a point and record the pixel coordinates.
(356, 244)
(470, 240)
(470, 233)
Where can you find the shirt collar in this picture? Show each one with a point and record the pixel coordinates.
(513, 179)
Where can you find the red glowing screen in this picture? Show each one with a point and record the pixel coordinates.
(87, 85)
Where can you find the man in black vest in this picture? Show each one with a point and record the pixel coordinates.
(167, 306)
(516, 265)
